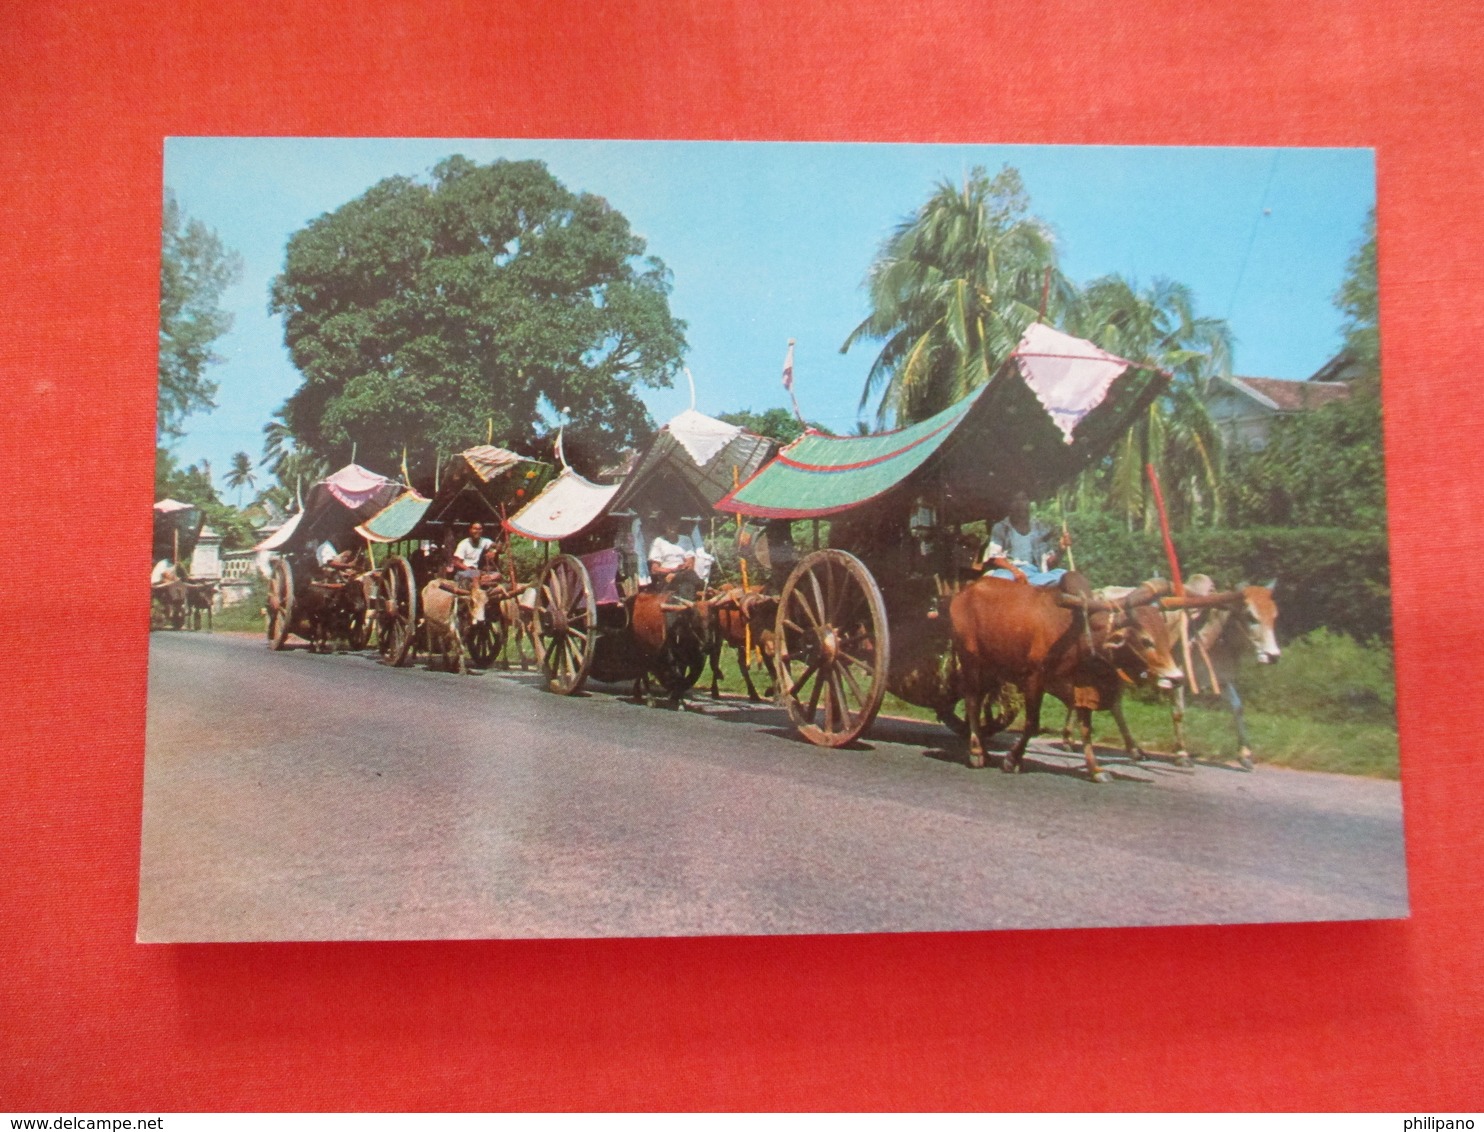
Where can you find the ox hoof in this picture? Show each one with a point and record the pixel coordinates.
(1101, 776)
(1138, 754)
(1245, 758)
(1183, 760)
(1010, 766)
(976, 760)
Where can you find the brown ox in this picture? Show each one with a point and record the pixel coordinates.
(738, 619)
(517, 609)
(667, 642)
(200, 598)
(1064, 642)
(169, 595)
(447, 614)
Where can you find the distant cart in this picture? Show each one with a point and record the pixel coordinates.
(481, 484)
(586, 595)
(302, 600)
(173, 592)
(867, 614)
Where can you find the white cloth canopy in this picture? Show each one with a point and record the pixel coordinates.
(565, 506)
(1069, 376)
(169, 506)
(354, 486)
(282, 535)
(701, 436)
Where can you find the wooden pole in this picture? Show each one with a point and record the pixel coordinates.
(1175, 577)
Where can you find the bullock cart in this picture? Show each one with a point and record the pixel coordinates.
(598, 614)
(175, 596)
(867, 613)
(420, 532)
(305, 598)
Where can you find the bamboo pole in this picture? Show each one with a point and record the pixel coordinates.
(1175, 577)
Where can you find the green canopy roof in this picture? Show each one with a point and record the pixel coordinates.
(1056, 405)
(398, 520)
(820, 475)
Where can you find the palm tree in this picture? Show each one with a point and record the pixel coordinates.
(293, 465)
(1157, 325)
(241, 475)
(952, 291)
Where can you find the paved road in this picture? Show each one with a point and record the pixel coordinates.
(292, 796)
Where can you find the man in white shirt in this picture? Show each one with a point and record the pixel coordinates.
(1024, 548)
(468, 555)
(672, 561)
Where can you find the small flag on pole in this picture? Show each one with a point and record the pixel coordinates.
(788, 380)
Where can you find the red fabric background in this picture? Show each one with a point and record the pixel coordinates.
(1378, 1015)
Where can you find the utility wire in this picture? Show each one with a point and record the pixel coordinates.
(1252, 237)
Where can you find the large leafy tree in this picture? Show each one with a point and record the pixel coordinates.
(427, 316)
(952, 291)
(1325, 468)
(1359, 301)
(780, 424)
(195, 268)
(1157, 325)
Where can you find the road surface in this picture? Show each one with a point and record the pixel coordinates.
(294, 796)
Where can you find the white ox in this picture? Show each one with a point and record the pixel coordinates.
(448, 612)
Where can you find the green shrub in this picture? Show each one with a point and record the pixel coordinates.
(1327, 577)
(1326, 675)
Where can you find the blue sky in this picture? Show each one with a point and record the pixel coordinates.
(771, 241)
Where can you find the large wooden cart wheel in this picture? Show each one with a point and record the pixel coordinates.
(997, 712)
(833, 647)
(566, 624)
(683, 658)
(486, 638)
(280, 603)
(397, 617)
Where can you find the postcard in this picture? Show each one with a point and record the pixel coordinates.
(577, 538)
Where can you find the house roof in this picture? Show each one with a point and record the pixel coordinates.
(1283, 396)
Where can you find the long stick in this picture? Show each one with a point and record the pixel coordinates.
(1175, 577)
(742, 561)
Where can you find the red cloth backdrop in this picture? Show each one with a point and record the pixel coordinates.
(1369, 1015)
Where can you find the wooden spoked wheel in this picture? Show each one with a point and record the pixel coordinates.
(280, 603)
(683, 658)
(998, 712)
(833, 648)
(566, 624)
(396, 620)
(486, 638)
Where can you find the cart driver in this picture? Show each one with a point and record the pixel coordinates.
(1023, 548)
(333, 562)
(672, 560)
(469, 555)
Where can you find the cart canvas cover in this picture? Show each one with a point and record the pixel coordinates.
(1057, 405)
(566, 507)
(691, 464)
(333, 507)
(483, 471)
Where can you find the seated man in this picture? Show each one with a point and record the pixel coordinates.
(469, 555)
(1023, 548)
(336, 565)
(672, 561)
